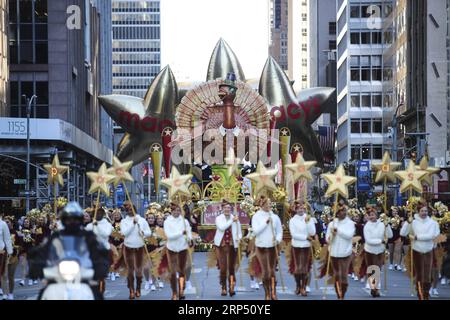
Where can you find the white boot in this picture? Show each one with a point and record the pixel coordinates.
(188, 285)
(152, 287)
(147, 285)
(435, 292)
(10, 296)
(30, 282)
(113, 276)
(252, 284)
(444, 281)
(161, 284)
(22, 282)
(391, 267)
(307, 289)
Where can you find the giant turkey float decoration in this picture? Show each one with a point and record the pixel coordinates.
(181, 116)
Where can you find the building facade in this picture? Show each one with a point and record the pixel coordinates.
(136, 45)
(4, 66)
(360, 133)
(58, 52)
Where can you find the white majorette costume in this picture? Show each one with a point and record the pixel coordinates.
(179, 237)
(268, 235)
(134, 229)
(6, 247)
(341, 250)
(227, 237)
(376, 235)
(422, 232)
(302, 229)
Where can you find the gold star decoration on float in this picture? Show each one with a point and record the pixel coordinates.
(385, 169)
(263, 178)
(423, 165)
(177, 184)
(301, 168)
(100, 180)
(410, 178)
(338, 182)
(120, 171)
(55, 171)
(232, 162)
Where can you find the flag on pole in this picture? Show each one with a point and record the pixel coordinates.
(326, 141)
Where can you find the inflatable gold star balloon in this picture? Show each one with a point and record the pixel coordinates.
(385, 169)
(120, 171)
(410, 178)
(301, 168)
(55, 171)
(177, 184)
(100, 180)
(338, 182)
(263, 178)
(423, 165)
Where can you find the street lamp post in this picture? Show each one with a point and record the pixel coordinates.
(394, 142)
(29, 101)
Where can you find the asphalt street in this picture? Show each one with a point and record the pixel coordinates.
(206, 287)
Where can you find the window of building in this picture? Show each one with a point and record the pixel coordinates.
(365, 100)
(356, 152)
(354, 74)
(332, 28)
(365, 152)
(365, 74)
(304, 32)
(355, 11)
(304, 47)
(332, 44)
(304, 62)
(365, 126)
(355, 101)
(354, 38)
(376, 74)
(29, 88)
(355, 61)
(376, 126)
(377, 152)
(376, 100)
(355, 126)
(304, 17)
(365, 37)
(376, 37)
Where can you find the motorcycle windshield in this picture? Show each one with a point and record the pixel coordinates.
(70, 248)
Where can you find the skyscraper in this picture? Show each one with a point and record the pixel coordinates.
(136, 45)
(359, 79)
(62, 57)
(4, 72)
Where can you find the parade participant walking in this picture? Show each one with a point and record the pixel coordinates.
(268, 235)
(6, 248)
(102, 229)
(135, 229)
(395, 243)
(422, 230)
(376, 234)
(339, 236)
(151, 244)
(179, 239)
(27, 240)
(7, 280)
(116, 241)
(227, 238)
(302, 230)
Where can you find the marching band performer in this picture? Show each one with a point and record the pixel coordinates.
(395, 243)
(6, 247)
(302, 230)
(226, 240)
(268, 235)
(179, 239)
(26, 237)
(376, 234)
(422, 231)
(151, 244)
(135, 229)
(102, 229)
(116, 240)
(339, 237)
(7, 279)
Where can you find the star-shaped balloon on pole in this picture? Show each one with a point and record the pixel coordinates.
(177, 184)
(301, 168)
(263, 178)
(410, 178)
(55, 171)
(423, 165)
(338, 182)
(100, 180)
(385, 169)
(120, 171)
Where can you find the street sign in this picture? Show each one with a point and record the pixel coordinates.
(25, 193)
(20, 181)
